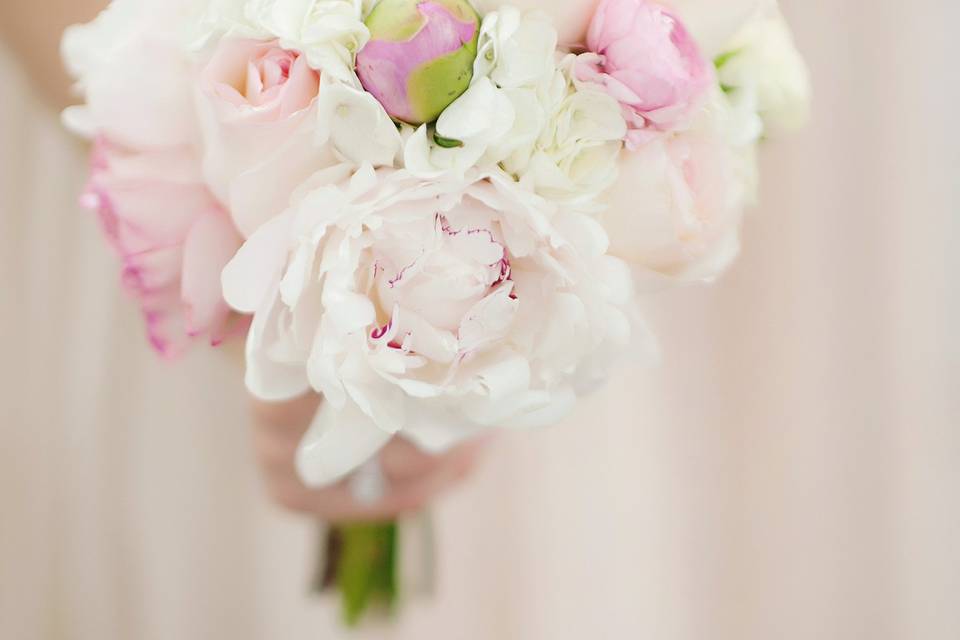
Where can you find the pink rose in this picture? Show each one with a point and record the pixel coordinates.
(173, 236)
(642, 55)
(258, 121)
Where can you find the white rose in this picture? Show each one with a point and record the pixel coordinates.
(675, 212)
(435, 309)
(764, 74)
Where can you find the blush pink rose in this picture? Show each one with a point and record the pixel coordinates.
(174, 239)
(675, 212)
(263, 82)
(258, 119)
(644, 57)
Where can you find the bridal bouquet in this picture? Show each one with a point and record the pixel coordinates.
(437, 216)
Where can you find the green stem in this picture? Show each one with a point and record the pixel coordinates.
(366, 568)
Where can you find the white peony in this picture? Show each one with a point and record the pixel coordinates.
(432, 308)
(764, 74)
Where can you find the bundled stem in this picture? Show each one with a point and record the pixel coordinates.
(363, 564)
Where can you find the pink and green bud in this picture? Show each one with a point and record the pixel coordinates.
(420, 56)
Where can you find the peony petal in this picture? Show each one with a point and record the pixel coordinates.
(272, 375)
(349, 311)
(439, 427)
(489, 321)
(338, 441)
(210, 245)
(522, 410)
(505, 375)
(257, 265)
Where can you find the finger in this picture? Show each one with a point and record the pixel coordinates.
(418, 492)
(401, 461)
(290, 418)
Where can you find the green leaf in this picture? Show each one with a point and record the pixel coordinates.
(724, 58)
(446, 143)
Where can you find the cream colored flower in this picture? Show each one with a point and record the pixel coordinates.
(764, 74)
(435, 309)
(575, 157)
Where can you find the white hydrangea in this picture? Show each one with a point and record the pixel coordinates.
(764, 75)
(502, 112)
(574, 159)
(356, 125)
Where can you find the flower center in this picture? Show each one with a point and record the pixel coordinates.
(442, 292)
(267, 74)
(441, 279)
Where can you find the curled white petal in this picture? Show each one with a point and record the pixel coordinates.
(338, 441)
(256, 268)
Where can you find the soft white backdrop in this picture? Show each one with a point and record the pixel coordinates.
(792, 471)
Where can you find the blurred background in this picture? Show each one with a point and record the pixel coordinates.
(791, 471)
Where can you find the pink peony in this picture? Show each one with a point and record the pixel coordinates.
(420, 56)
(173, 236)
(642, 55)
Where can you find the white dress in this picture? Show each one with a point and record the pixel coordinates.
(789, 472)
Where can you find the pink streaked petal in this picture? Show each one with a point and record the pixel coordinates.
(164, 325)
(150, 271)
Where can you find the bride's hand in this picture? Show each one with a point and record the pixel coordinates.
(414, 478)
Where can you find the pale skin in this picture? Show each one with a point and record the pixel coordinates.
(415, 479)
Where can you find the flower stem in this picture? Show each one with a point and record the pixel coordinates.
(366, 568)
